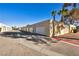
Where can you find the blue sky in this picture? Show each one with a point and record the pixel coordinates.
(26, 13)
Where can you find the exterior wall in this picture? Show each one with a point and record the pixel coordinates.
(51, 27)
(23, 28)
(66, 30)
(8, 28)
(46, 28)
(40, 30)
(72, 27)
(4, 29)
(63, 30)
(31, 29)
(58, 31)
(36, 28)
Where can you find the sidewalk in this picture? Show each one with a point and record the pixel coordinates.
(72, 38)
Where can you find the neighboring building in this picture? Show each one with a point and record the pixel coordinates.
(4, 28)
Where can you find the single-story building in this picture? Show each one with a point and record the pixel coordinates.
(4, 27)
(46, 28)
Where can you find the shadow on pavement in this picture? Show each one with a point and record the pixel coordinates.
(39, 38)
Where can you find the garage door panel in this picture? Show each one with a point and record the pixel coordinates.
(40, 30)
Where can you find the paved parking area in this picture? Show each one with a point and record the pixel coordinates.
(64, 47)
(11, 48)
(55, 49)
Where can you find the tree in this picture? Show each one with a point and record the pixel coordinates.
(66, 4)
(53, 14)
(74, 5)
(72, 11)
(63, 12)
(64, 15)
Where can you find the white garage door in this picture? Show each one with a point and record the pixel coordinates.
(40, 30)
(31, 29)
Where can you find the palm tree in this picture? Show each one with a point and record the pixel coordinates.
(67, 4)
(63, 12)
(64, 15)
(74, 8)
(74, 5)
(53, 14)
